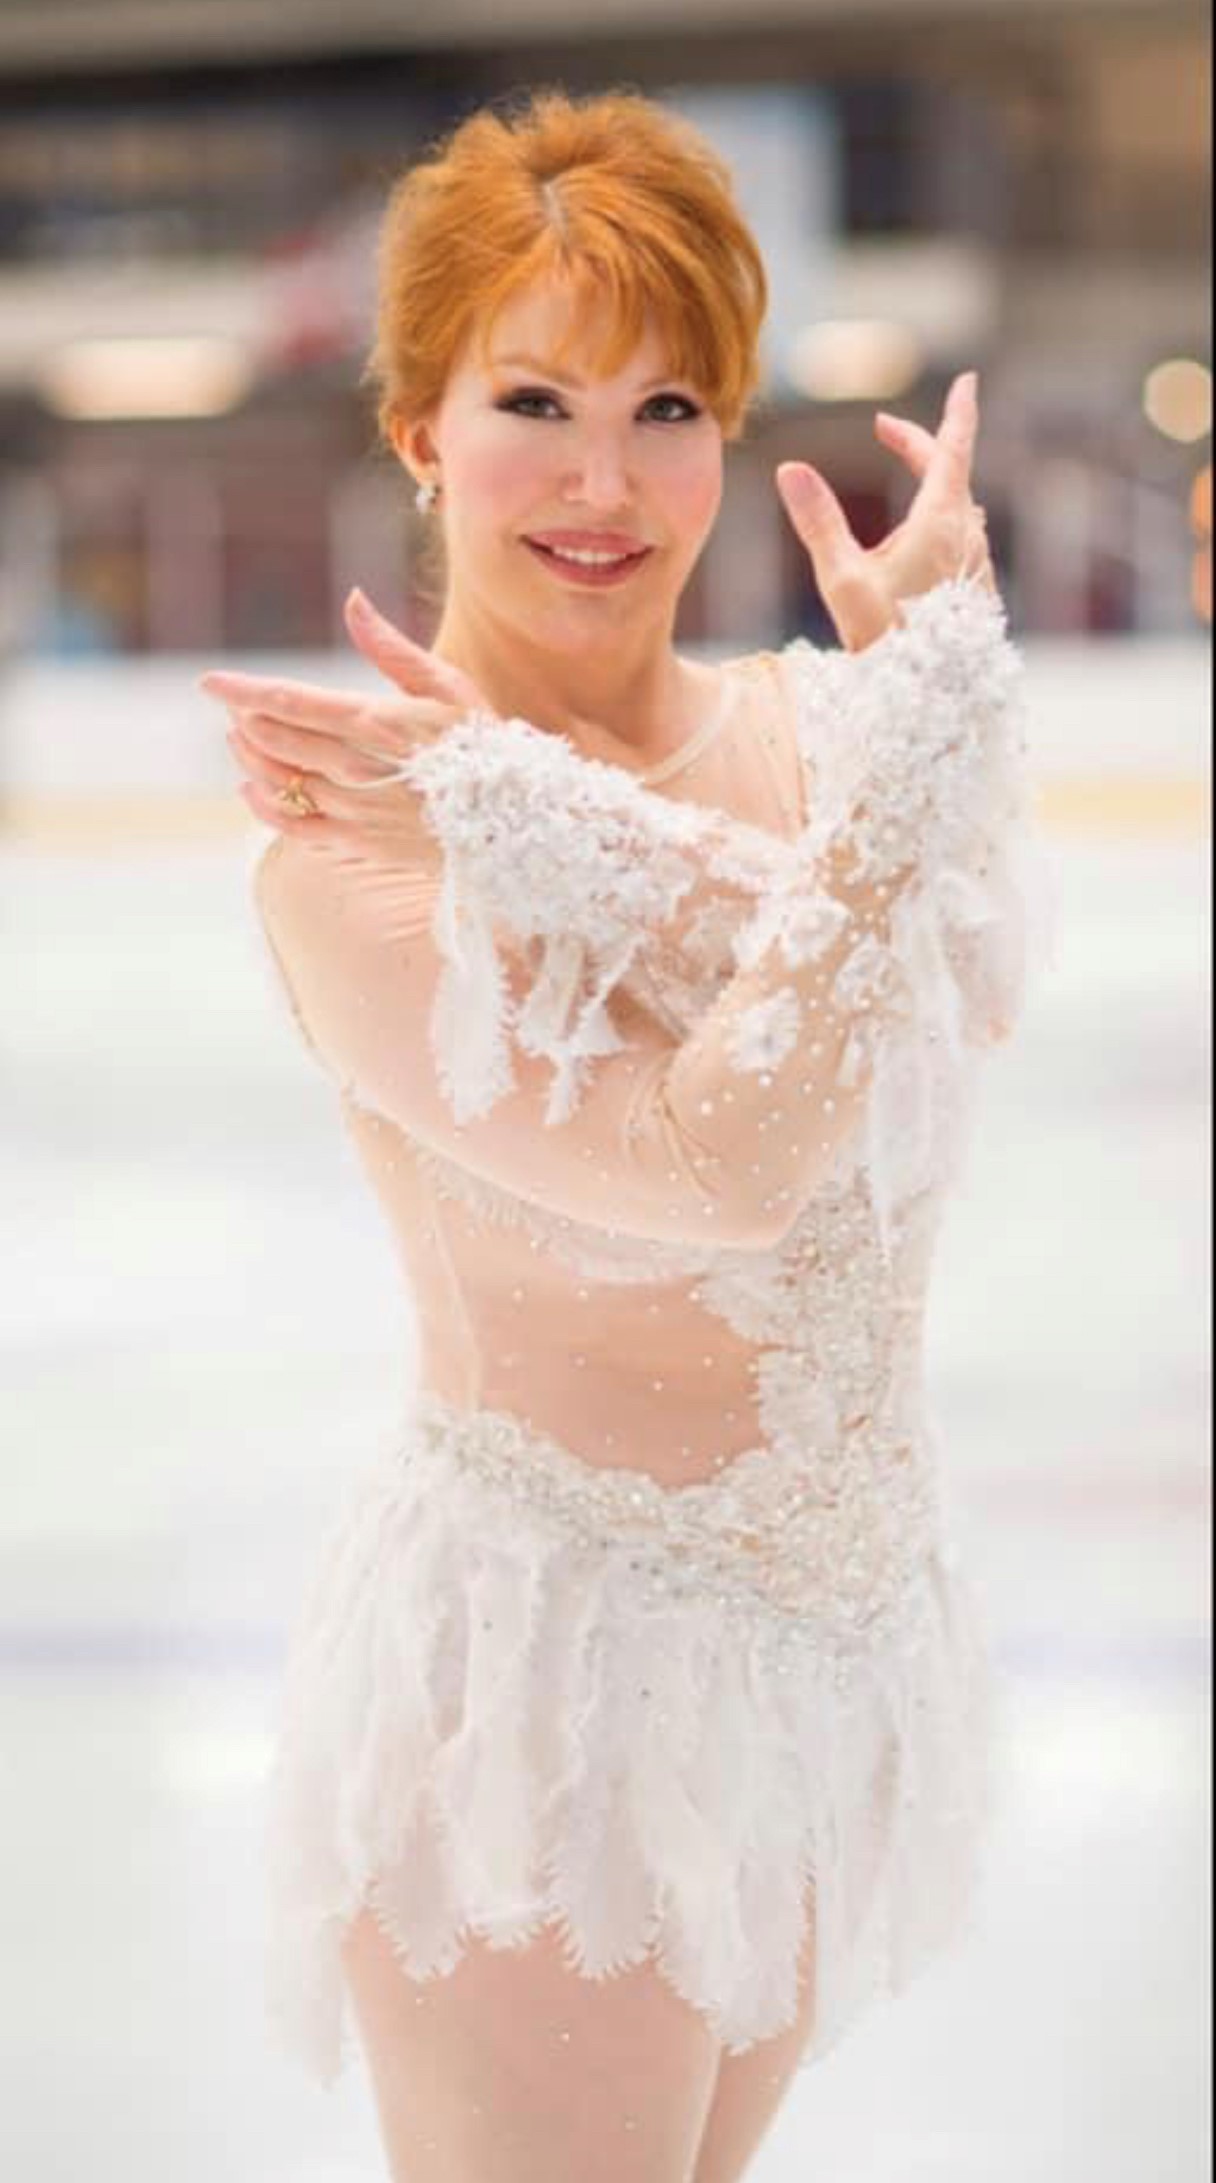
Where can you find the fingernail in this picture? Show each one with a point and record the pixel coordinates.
(357, 603)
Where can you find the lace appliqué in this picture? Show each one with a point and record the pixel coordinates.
(803, 920)
(762, 1035)
(565, 850)
(589, 1650)
(566, 1743)
(553, 848)
(835, 1539)
(919, 748)
(915, 751)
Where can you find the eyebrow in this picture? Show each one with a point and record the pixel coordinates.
(546, 371)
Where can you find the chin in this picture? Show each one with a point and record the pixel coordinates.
(578, 615)
(598, 624)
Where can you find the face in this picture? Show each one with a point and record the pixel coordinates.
(574, 507)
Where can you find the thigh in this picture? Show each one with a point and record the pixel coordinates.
(750, 2087)
(514, 2069)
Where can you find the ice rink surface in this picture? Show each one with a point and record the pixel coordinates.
(204, 1333)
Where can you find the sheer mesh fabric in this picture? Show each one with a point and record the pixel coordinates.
(661, 1089)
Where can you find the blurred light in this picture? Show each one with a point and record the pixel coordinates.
(1178, 398)
(148, 376)
(945, 291)
(856, 360)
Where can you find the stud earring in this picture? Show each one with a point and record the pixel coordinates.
(426, 496)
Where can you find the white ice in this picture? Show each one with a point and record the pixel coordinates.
(203, 1332)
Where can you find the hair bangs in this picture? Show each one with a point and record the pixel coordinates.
(621, 206)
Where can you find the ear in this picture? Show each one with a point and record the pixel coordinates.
(414, 443)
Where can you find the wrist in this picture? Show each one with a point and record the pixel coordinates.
(861, 631)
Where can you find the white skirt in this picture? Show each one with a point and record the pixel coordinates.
(496, 1718)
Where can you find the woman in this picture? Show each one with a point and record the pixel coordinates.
(634, 1737)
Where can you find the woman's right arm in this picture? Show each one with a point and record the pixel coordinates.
(723, 1135)
(676, 1141)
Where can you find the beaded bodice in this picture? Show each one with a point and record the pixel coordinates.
(662, 1094)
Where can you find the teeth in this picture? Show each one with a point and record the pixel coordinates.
(586, 559)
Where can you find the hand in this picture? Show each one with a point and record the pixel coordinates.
(941, 536)
(339, 749)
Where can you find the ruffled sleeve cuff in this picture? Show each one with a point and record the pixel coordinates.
(543, 850)
(917, 751)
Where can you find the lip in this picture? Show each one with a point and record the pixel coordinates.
(584, 576)
(589, 541)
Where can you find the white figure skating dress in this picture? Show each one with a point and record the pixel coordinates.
(651, 1624)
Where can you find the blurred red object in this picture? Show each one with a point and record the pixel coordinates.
(321, 282)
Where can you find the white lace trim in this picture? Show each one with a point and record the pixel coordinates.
(569, 851)
(491, 1724)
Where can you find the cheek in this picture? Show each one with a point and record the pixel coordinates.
(690, 492)
(499, 477)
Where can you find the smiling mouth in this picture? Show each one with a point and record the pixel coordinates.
(584, 565)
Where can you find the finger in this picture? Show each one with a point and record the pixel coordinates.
(265, 806)
(909, 440)
(977, 558)
(818, 519)
(305, 705)
(255, 735)
(364, 722)
(915, 445)
(407, 664)
(273, 775)
(947, 479)
(344, 808)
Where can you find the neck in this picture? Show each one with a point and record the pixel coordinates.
(630, 688)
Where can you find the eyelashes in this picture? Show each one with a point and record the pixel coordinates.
(513, 404)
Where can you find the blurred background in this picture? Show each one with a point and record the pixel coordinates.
(203, 1333)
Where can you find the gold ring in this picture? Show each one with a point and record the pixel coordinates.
(296, 796)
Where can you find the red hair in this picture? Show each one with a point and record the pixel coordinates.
(621, 202)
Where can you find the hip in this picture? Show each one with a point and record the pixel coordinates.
(830, 1556)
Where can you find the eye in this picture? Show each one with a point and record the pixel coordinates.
(515, 403)
(687, 410)
(532, 401)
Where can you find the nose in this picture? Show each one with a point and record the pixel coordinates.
(599, 477)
